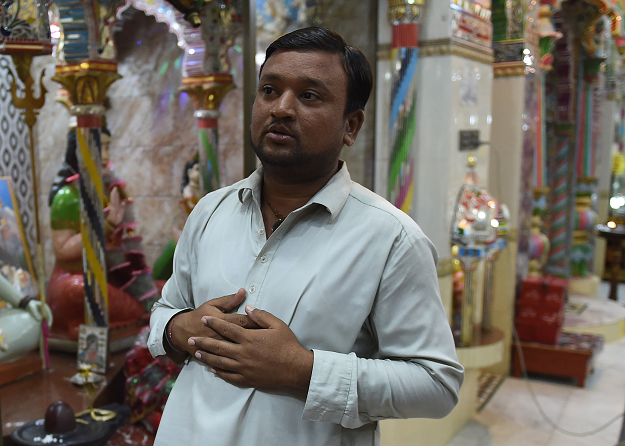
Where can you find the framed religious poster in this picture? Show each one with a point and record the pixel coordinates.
(16, 264)
(93, 347)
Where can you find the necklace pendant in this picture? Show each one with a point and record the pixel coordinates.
(276, 224)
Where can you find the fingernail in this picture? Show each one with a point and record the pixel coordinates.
(191, 341)
(213, 370)
(250, 308)
(204, 320)
(198, 355)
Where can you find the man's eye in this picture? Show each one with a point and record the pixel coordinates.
(267, 90)
(309, 95)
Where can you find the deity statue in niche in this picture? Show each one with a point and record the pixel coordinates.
(191, 194)
(20, 324)
(190, 188)
(131, 290)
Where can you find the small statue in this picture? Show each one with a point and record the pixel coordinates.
(191, 189)
(20, 326)
(131, 290)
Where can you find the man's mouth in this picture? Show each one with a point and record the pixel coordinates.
(279, 133)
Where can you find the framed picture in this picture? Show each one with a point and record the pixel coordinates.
(93, 347)
(16, 263)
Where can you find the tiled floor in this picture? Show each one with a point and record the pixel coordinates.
(512, 419)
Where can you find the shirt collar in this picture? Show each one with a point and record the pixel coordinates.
(332, 196)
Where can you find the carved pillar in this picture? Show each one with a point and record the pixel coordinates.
(87, 83)
(207, 93)
(206, 68)
(539, 243)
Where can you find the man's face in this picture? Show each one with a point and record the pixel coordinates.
(298, 115)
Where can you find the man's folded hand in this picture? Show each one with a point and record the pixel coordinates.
(189, 324)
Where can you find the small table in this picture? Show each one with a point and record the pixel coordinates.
(614, 238)
(572, 357)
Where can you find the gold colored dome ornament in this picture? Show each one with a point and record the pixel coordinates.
(405, 11)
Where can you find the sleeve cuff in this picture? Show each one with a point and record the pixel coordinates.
(158, 322)
(332, 386)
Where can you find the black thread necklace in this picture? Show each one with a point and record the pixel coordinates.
(278, 215)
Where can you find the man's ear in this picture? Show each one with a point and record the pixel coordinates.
(353, 124)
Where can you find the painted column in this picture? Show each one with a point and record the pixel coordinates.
(87, 84)
(560, 151)
(207, 93)
(539, 242)
(207, 79)
(405, 17)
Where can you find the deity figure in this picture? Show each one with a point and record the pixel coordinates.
(190, 188)
(20, 324)
(131, 290)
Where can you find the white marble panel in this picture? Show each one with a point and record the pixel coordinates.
(434, 142)
(504, 175)
(471, 105)
(437, 20)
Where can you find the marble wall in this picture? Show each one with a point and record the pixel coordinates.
(153, 129)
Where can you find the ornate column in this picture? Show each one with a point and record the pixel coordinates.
(207, 93)
(405, 17)
(87, 84)
(539, 243)
(207, 79)
(86, 70)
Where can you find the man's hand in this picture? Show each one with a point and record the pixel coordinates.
(190, 323)
(266, 358)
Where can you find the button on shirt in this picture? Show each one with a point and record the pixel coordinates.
(355, 280)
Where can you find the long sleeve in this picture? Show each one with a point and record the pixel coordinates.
(178, 292)
(415, 372)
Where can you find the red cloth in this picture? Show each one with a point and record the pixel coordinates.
(66, 298)
(540, 309)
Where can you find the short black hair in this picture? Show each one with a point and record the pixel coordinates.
(355, 64)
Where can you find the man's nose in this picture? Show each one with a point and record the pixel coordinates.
(284, 106)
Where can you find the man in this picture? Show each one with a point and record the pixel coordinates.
(339, 322)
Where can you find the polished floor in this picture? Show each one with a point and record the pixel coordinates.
(511, 418)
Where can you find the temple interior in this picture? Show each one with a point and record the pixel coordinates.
(498, 126)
